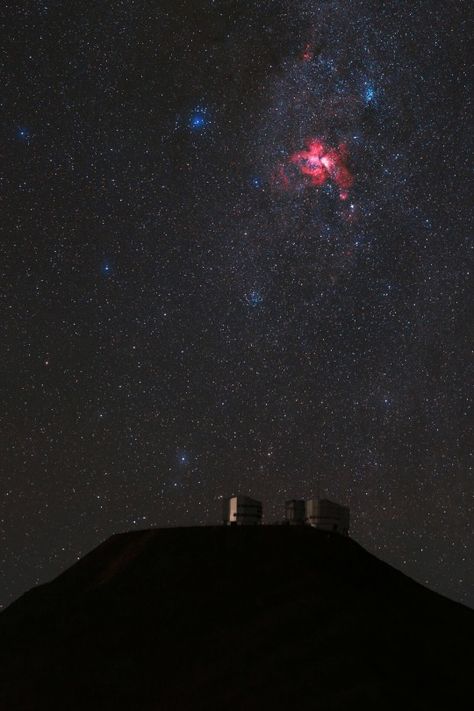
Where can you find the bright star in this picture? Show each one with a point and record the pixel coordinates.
(369, 94)
(198, 119)
(183, 458)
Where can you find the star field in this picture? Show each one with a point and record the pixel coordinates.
(235, 259)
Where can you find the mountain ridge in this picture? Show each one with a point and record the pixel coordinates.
(197, 618)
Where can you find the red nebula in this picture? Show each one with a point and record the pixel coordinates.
(322, 163)
(280, 178)
(307, 54)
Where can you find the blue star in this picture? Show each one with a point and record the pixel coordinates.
(198, 120)
(183, 458)
(106, 268)
(369, 94)
(23, 134)
(254, 298)
(257, 182)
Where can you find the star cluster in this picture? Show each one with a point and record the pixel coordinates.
(235, 259)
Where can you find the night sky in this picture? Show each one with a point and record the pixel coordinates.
(235, 259)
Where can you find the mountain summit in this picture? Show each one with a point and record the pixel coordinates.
(268, 617)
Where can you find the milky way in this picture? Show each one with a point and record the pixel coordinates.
(235, 260)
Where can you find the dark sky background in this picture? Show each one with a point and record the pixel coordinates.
(192, 307)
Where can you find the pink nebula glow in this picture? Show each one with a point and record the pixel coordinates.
(308, 53)
(321, 163)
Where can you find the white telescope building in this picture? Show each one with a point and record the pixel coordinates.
(242, 511)
(319, 513)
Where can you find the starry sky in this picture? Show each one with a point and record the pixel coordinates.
(235, 259)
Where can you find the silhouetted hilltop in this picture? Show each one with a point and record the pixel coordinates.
(234, 618)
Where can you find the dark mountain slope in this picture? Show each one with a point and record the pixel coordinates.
(213, 618)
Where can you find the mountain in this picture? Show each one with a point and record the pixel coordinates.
(270, 617)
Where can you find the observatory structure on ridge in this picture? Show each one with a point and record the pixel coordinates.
(319, 513)
(242, 511)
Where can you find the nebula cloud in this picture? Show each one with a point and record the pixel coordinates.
(320, 163)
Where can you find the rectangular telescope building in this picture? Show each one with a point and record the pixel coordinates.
(319, 513)
(327, 516)
(242, 511)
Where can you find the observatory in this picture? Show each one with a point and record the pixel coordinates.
(319, 513)
(242, 511)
